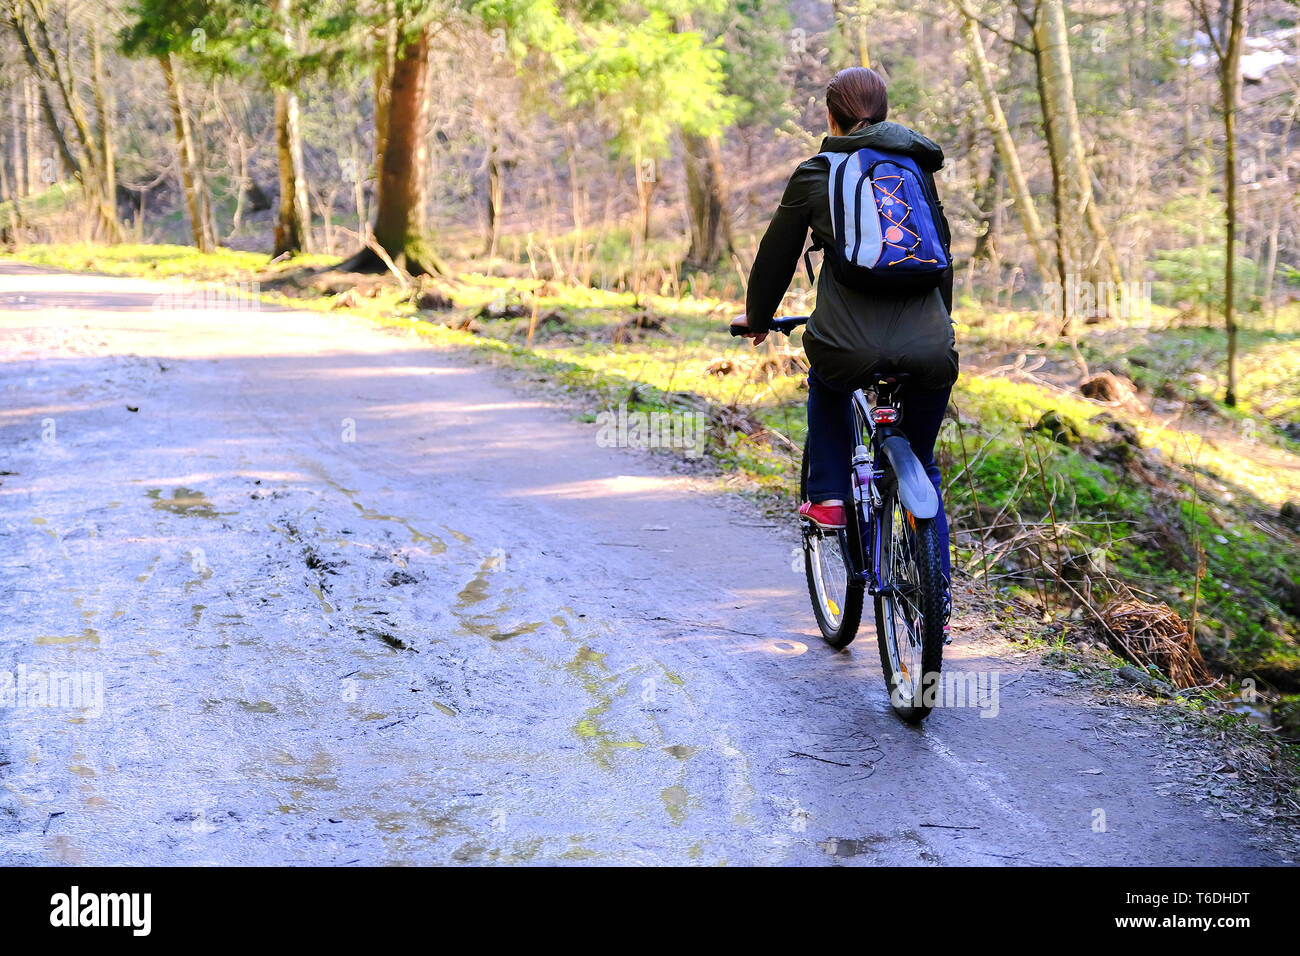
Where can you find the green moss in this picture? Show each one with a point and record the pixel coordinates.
(128, 259)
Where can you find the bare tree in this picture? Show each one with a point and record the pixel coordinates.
(1225, 37)
(1006, 147)
(196, 196)
(293, 228)
(87, 153)
(707, 200)
(18, 157)
(1077, 215)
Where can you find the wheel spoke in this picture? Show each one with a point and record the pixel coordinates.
(905, 617)
(830, 575)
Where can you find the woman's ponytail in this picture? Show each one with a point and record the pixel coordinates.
(856, 98)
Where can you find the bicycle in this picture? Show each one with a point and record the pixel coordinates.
(889, 549)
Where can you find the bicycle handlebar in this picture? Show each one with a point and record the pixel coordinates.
(785, 325)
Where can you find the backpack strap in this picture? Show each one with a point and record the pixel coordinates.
(833, 161)
(807, 259)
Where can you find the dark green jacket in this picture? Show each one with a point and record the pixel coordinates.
(850, 334)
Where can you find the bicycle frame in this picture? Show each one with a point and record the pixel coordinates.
(887, 445)
(889, 452)
(888, 548)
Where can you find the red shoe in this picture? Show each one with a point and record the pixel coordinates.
(827, 517)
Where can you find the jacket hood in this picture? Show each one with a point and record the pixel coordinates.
(893, 137)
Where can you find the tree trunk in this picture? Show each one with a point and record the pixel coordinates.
(987, 196)
(358, 184)
(1227, 42)
(864, 54)
(645, 188)
(707, 201)
(80, 147)
(237, 159)
(383, 89)
(32, 137)
(242, 183)
(326, 206)
(1189, 107)
(496, 189)
(400, 225)
(185, 147)
(1270, 262)
(1230, 84)
(200, 142)
(1077, 215)
(17, 153)
(644, 174)
(1066, 226)
(107, 154)
(6, 191)
(399, 218)
(1006, 149)
(1051, 36)
(575, 195)
(293, 229)
(1230, 244)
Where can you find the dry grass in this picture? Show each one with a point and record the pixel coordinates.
(1153, 635)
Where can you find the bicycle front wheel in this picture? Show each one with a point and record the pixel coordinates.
(909, 611)
(837, 597)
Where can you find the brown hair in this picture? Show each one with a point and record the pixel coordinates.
(856, 97)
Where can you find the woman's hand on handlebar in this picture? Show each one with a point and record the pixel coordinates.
(740, 322)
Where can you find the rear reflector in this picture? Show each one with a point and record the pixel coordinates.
(884, 415)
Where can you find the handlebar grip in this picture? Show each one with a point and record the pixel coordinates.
(785, 325)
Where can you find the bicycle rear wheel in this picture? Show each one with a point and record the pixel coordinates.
(837, 596)
(909, 614)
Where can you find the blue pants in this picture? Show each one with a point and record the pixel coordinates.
(831, 440)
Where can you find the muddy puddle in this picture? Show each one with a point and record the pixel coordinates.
(184, 501)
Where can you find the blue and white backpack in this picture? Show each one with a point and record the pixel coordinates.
(888, 224)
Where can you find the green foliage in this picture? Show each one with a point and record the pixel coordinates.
(230, 37)
(754, 35)
(640, 66)
(1196, 274)
(55, 199)
(647, 80)
(529, 26)
(193, 28)
(1193, 273)
(282, 46)
(158, 261)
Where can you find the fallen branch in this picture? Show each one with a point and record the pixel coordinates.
(368, 240)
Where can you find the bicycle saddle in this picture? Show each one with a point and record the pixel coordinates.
(888, 376)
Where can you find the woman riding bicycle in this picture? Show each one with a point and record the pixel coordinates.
(851, 336)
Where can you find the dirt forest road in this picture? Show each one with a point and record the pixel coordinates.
(351, 599)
